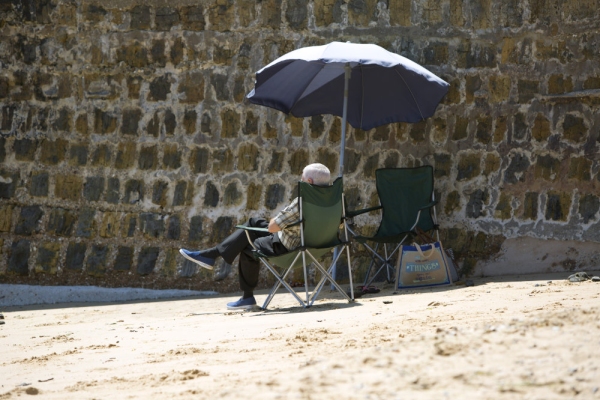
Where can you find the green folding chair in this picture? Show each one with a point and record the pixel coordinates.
(407, 202)
(321, 213)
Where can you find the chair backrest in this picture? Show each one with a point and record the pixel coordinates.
(321, 213)
(402, 192)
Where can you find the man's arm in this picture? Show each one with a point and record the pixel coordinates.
(289, 215)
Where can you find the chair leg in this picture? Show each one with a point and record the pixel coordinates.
(281, 281)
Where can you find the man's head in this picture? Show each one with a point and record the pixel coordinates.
(316, 174)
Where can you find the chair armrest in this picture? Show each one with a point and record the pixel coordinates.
(251, 228)
(433, 203)
(351, 214)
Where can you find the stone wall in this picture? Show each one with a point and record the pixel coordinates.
(125, 134)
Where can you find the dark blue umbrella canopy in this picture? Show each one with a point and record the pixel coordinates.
(383, 87)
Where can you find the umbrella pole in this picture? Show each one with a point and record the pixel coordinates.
(343, 147)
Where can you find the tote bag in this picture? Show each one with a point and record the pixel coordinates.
(422, 265)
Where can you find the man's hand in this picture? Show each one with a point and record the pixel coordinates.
(273, 227)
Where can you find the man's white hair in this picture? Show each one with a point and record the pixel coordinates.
(319, 174)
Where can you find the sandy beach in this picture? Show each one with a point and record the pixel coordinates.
(525, 337)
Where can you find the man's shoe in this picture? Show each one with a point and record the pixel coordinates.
(195, 256)
(242, 304)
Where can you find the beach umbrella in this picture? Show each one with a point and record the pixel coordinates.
(364, 84)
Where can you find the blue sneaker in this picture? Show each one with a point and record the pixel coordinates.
(195, 256)
(242, 304)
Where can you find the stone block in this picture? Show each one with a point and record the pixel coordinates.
(147, 260)
(113, 191)
(86, 224)
(4, 87)
(274, 195)
(474, 208)
(492, 164)
(94, 13)
(515, 172)
(442, 165)
(230, 124)
(61, 222)
(126, 155)
(520, 127)
(381, 133)
(166, 18)
(18, 261)
(248, 157)
(102, 155)
(25, 149)
(211, 195)
(222, 161)
(169, 266)
(62, 120)
(499, 88)
(6, 212)
(232, 195)
(75, 256)
(541, 128)
(109, 224)
(47, 257)
(8, 183)
(499, 129)
(134, 86)
(170, 122)
(152, 225)
(179, 195)
(160, 88)
(8, 113)
(461, 130)
(558, 205)
(436, 53)
(469, 166)
(481, 56)
(53, 151)
(97, 260)
(316, 126)
(220, 86)
(239, 90)
(276, 162)
(527, 90)
(335, 131)
(588, 207)
(295, 125)
(39, 184)
(93, 188)
(104, 122)
(189, 121)
(271, 14)
(484, 130)
(558, 84)
(580, 169)
(129, 225)
(503, 209)
(124, 259)
(298, 160)
(574, 128)
(134, 191)
(530, 206)
(174, 227)
(253, 196)
(371, 164)
(199, 160)
(196, 232)
(131, 121)
(141, 19)
(352, 161)
(171, 156)
(391, 160)
(221, 229)
(592, 82)
(159, 193)
(28, 221)
(296, 14)
(329, 158)
(192, 18)
(81, 124)
(472, 85)
(452, 202)
(148, 159)
(191, 88)
(362, 12)
(68, 187)
(270, 131)
(78, 154)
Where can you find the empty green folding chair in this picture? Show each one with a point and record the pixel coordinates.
(407, 201)
(321, 213)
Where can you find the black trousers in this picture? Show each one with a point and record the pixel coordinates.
(237, 244)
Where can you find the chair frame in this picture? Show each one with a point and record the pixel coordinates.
(386, 260)
(310, 254)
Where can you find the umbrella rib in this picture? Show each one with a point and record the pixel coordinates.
(411, 93)
(362, 98)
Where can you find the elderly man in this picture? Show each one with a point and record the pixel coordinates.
(281, 239)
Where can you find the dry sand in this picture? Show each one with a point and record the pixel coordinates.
(527, 337)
